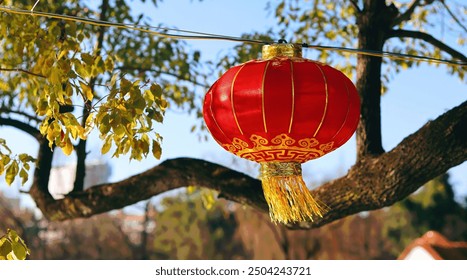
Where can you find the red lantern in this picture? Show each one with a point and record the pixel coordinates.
(282, 111)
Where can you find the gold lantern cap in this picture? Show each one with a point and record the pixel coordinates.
(281, 49)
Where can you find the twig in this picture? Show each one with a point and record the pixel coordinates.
(453, 16)
(22, 70)
(34, 6)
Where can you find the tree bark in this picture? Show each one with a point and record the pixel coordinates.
(39, 190)
(373, 23)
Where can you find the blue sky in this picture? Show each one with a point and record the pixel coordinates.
(415, 96)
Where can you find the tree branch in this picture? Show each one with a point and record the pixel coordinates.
(373, 183)
(453, 15)
(407, 14)
(21, 126)
(22, 71)
(10, 111)
(401, 33)
(354, 3)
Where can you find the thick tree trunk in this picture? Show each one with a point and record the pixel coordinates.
(373, 22)
(39, 190)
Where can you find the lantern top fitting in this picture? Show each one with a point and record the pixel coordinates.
(275, 50)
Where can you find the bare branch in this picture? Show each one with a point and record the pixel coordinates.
(373, 183)
(354, 3)
(22, 71)
(407, 14)
(24, 114)
(401, 33)
(453, 15)
(21, 126)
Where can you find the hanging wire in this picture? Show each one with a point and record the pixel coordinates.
(210, 36)
(391, 55)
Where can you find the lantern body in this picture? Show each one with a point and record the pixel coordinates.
(283, 111)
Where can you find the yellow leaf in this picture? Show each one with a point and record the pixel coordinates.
(190, 189)
(109, 64)
(107, 145)
(68, 90)
(87, 58)
(208, 200)
(55, 76)
(61, 54)
(104, 126)
(87, 91)
(68, 147)
(156, 149)
(24, 176)
(15, 248)
(89, 125)
(90, 119)
(11, 172)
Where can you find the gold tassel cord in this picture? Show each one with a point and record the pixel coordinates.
(287, 195)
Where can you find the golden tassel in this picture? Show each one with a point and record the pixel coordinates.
(287, 195)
